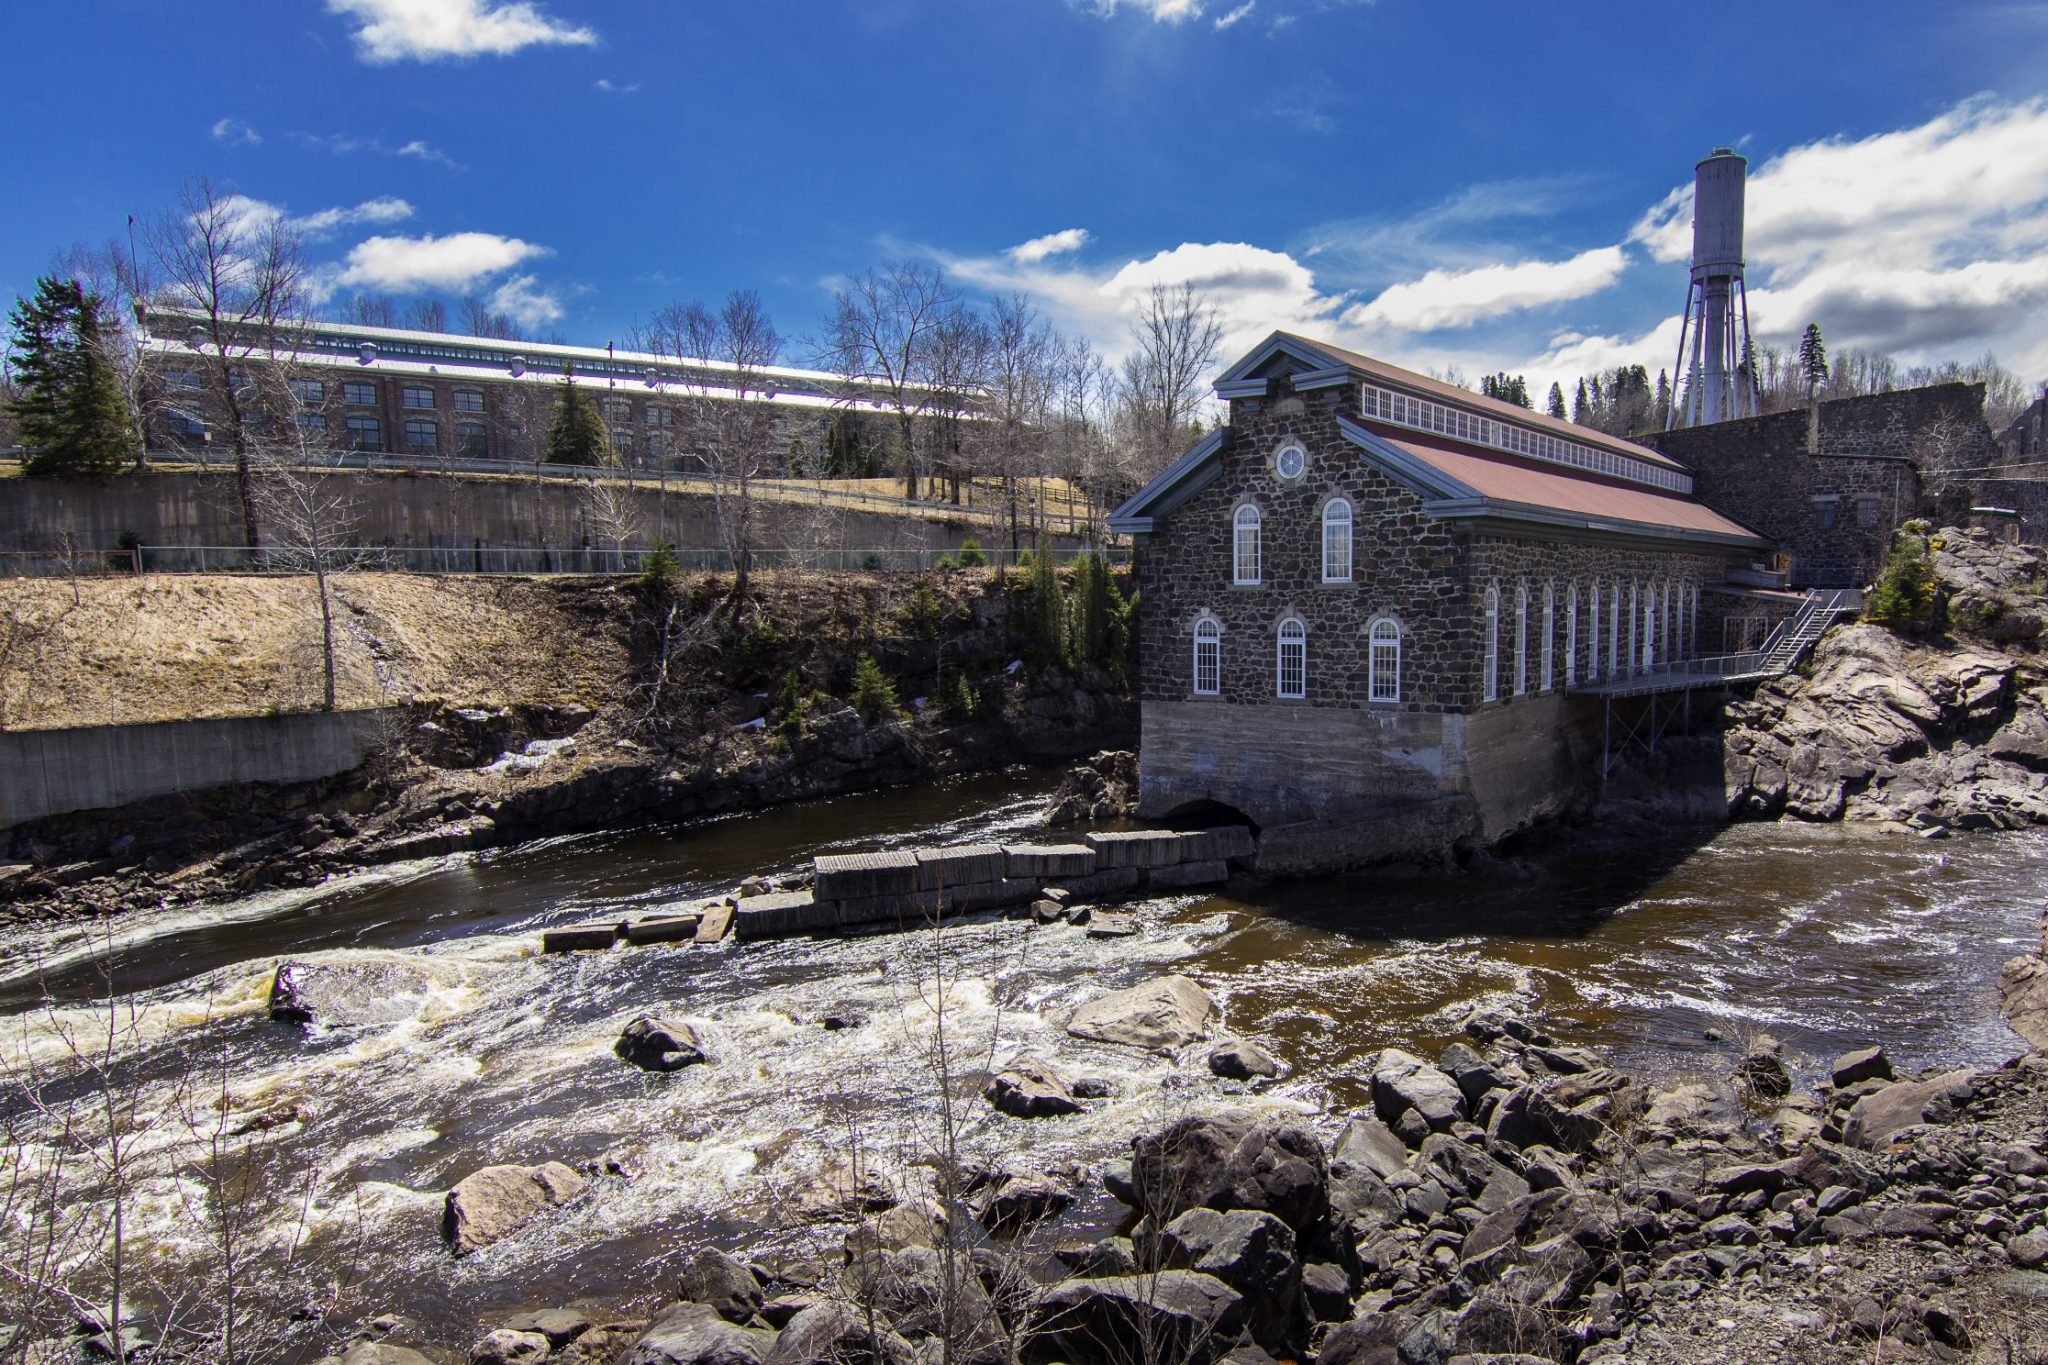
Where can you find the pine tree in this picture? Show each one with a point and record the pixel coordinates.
(577, 434)
(1813, 360)
(1662, 414)
(1556, 404)
(1048, 642)
(874, 696)
(1580, 414)
(71, 409)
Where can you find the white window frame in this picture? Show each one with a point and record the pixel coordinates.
(1337, 540)
(1383, 660)
(1593, 631)
(1245, 522)
(1490, 679)
(1571, 635)
(1280, 454)
(1614, 633)
(1546, 655)
(1635, 595)
(1290, 638)
(1521, 639)
(1209, 640)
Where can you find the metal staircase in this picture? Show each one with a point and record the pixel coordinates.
(1789, 643)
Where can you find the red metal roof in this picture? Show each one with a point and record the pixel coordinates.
(1504, 478)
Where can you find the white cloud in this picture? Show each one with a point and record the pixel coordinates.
(409, 264)
(1930, 242)
(429, 30)
(522, 299)
(1052, 244)
(235, 133)
(423, 152)
(1460, 298)
(1243, 11)
(610, 87)
(256, 215)
(1165, 11)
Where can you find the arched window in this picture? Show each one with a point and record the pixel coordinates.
(1291, 678)
(1614, 632)
(1385, 671)
(1593, 634)
(1490, 676)
(1692, 621)
(1337, 541)
(1548, 654)
(1635, 602)
(1245, 546)
(1208, 657)
(1521, 638)
(1571, 635)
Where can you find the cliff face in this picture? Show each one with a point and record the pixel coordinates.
(1938, 731)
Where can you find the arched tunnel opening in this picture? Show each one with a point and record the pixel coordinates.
(1206, 814)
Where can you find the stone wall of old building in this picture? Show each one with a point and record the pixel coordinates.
(1833, 506)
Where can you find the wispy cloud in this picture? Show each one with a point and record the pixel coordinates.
(433, 30)
(611, 87)
(1236, 16)
(1164, 11)
(522, 299)
(1459, 298)
(259, 214)
(345, 144)
(1052, 244)
(235, 133)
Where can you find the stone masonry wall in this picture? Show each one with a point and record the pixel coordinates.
(2028, 497)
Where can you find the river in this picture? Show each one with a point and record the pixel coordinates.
(1826, 937)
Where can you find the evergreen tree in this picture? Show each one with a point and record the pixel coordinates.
(1556, 404)
(1580, 412)
(71, 408)
(1508, 390)
(1813, 360)
(1048, 641)
(1662, 413)
(874, 696)
(577, 434)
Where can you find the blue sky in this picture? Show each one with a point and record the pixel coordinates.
(1473, 185)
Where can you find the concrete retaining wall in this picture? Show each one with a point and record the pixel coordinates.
(49, 772)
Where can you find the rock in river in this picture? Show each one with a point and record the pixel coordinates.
(1029, 1089)
(1169, 1012)
(660, 1045)
(492, 1203)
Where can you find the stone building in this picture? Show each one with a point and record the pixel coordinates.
(1369, 597)
(438, 395)
(1831, 505)
(2026, 436)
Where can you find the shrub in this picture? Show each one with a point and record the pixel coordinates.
(922, 613)
(970, 554)
(874, 696)
(988, 698)
(1903, 597)
(1047, 642)
(793, 703)
(661, 568)
(956, 699)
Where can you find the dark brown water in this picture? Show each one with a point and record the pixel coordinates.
(1824, 937)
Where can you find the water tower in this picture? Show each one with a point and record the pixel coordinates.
(1715, 385)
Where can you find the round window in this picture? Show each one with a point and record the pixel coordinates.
(1290, 460)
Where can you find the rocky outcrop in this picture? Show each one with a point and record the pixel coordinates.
(493, 1203)
(1170, 1012)
(2023, 986)
(1103, 788)
(1887, 729)
(661, 1045)
(1030, 1089)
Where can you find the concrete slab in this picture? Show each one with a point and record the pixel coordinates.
(1184, 875)
(958, 866)
(663, 929)
(1120, 881)
(716, 924)
(579, 938)
(852, 876)
(1217, 845)
(909, 908)
(1048, 860)
(1135, 848)
(781, 914)
(994, 895)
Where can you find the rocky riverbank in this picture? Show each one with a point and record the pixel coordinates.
(1516, 1199)
(713, 715)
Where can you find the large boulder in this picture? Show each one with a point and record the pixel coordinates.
(492, 1203)
(1167, 1013)
(1252, 1252)
(661, 1044)
(1022, 1200)
(1402, 1081)
(1201, 1162)
(722, 1284)
(507, 1347)
(377, 989)
(831, 1333)
(695, 1334)
(1239, 1060)
(1906, 1104)
(363, 1353)
(2023, 985)
(1182, 1316)
(1030, 1089)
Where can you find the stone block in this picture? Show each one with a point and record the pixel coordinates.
(781, 914)
(960, 866)
(662, 929)
(857, 876)
(1135, 848)
(1184, 875)
(1120, 881)
(1217, 845)
(906, 908)
(579, 937)
(717, 922)
(994, 895)
(1045, 861)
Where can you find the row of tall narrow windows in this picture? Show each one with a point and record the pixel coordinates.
(1290, 659)
(1643, 625)
(1246, 558)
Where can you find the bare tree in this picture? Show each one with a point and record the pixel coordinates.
(480, 321)
(370, 310)
(1174, 339)
(1083, 399)
(879, 337)
(1018, 385)
(428, 315)
(242, 270)
(612, 505)
(728, 408)
(956, 368)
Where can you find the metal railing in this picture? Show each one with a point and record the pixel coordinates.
(1776, 656)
